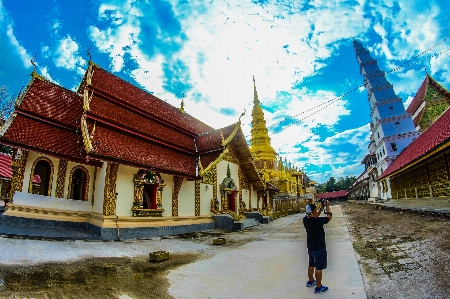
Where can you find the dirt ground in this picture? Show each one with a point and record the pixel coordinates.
(401, 254)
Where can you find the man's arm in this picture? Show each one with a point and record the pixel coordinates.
(328, 211)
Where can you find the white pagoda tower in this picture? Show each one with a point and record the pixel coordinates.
(392, 127)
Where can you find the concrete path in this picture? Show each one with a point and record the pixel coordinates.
(271, 263)
(274, 266)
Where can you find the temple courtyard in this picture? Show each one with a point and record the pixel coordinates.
(375, 251)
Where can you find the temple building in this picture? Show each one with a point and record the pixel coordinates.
(115, 160)
(422, 170)
(283, 181)
(392, 128)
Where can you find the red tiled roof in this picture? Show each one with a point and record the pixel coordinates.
(437, 134)
(53, 102)
(32, 134)
(5, 166)
(47, 120)
(334, 194)
(133, 96)
(213, 139)
(112, 145)
(130, 120)
(270, 187)
(419, 97)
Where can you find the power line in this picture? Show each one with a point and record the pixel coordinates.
(401, 66)
(383, 74)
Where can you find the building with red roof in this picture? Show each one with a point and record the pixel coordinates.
(333, 195)
(112, 156)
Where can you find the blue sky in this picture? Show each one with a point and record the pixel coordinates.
(300, 53)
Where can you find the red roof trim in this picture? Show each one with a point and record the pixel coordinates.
(138, 165)
(45, 120)
(333, 194)
(438, 134)
(137, 134)
(51, 154)
(141, 112)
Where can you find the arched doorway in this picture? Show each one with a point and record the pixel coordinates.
(42, 169)
(79, 184)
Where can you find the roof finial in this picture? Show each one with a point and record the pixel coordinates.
(34, 73)
(182, 104)
(255, 93)
(89, 53)
(243, 113)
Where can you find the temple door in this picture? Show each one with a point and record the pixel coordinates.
(231, 201)
(149, 196)
(79, 185)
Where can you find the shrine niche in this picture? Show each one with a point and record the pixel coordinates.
(148, 187)
(228, 191)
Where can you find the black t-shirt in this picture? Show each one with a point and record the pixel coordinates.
(315, 233)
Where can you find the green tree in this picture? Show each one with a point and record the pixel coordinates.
(334, 185)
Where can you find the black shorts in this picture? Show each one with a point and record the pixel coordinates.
(318, 258)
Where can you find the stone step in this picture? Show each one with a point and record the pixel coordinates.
(249, 222)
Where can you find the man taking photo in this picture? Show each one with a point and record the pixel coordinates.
(315, 240)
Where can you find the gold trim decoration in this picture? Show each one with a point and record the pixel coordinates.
(215, 162)
(197, 198)
(90, 73)
(177, 182)
(30, 185)
(7, 124)
(109, 200)
(93, 184)
(87, 140)
(18, 171)
(243, 184)
(61, 178)
(140, 179)
(231, 136)
(87, 99)
(69, 193)
(230, 156)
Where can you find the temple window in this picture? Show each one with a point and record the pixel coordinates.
(398, 126)
(41, 177)
(394, 146)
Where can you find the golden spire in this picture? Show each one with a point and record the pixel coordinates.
(261, 148)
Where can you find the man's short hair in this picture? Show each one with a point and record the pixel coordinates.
(310, 209)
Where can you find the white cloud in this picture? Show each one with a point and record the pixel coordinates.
(44, 72)
(66, 55)
(24, 56)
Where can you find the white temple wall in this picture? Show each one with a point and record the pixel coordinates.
(254, 197)
(99, 189)
(206, 194)
(245, 197)
(186, 199)
(125, 190)
(167, 194)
